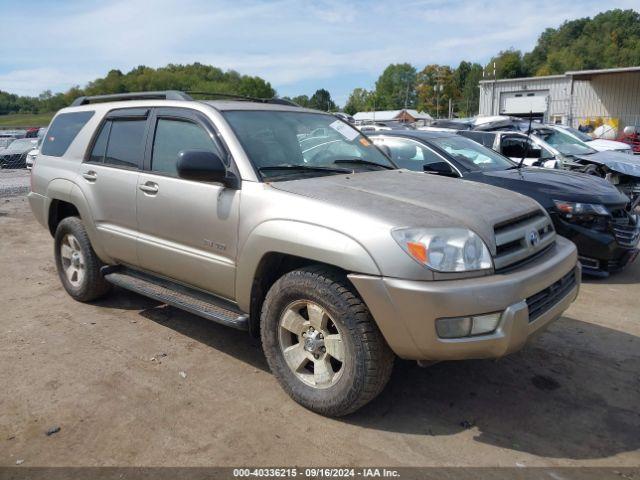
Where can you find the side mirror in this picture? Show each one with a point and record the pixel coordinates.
(205, 167)
(438, 168)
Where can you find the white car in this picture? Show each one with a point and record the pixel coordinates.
(599, 144)
(373, 128)
(31, 158)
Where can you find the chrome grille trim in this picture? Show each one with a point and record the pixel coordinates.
(513, 239)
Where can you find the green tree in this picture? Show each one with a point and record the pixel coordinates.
(321, 100)
(509, 64)
(302, 100)
(469, 102)
(608, 40)
(396, 87)
(436, 85)
(360, 100)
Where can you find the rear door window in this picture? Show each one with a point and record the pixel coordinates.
(63, 130)
(126, 143)
(120, 143)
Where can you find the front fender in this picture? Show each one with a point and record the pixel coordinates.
(304, 240)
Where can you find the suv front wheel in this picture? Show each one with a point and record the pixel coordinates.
(78, 265)
(321, 342)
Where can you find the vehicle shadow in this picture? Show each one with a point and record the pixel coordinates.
(233, 342)
(573, 393)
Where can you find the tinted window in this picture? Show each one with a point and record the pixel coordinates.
(519, 147)
(125, 144)
(174, 136)
(62, 131)
(483, 138)
(100, 146)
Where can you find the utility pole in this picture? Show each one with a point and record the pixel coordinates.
(406, 95)
(439, 88)
(450, 109)
(491, 74)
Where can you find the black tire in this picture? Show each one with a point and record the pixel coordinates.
(93, 284)
(368, 360)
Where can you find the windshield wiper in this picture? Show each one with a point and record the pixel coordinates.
(304, 168)
(359, 161)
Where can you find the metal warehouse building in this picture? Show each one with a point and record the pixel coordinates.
(577, 98)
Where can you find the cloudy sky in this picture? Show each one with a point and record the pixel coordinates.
(297, 45)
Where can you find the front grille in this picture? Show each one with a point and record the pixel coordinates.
(17, 160)
(520, 239)
(624, 228)
(631, 190)
(543, 301)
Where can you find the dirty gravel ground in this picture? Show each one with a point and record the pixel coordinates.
(572, 397)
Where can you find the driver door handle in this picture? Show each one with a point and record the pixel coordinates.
(149, 187)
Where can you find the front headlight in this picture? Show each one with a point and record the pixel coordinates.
(444, 249)
(570, 209)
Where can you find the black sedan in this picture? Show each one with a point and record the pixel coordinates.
(588, 210)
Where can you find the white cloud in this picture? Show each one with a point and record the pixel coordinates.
(288, 42)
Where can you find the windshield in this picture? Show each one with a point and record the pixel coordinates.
(472, 155)
(303, 143)
(563, 142)
(577, 133)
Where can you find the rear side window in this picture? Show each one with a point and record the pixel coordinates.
(100, 147)
(120, 143)
(174, 136)
(63, 130)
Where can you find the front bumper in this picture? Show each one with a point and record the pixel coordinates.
(599, 252)
(406, 310)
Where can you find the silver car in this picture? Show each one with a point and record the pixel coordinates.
(331, 255)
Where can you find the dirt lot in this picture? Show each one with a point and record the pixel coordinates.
(108, 375)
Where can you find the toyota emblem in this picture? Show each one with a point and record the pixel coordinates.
(534, 238)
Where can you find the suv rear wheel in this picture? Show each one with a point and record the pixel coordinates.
(78, 265)
(321, 342)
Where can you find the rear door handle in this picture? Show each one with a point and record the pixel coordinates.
(149, 187)
(90, 176)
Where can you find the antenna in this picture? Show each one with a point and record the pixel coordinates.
(526, 150)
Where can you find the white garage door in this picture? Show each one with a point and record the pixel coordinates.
(518, 103)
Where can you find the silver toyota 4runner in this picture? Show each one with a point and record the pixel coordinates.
(290, 224)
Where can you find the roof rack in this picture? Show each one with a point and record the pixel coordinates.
(174, 95)
(274, 100)
(116, 97)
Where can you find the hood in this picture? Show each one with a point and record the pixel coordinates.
(616, 161)
(545, 185)
(402, 198)
(601, 144)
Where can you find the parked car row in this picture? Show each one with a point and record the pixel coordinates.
(19, 147)
(588, 210)
(291, 224)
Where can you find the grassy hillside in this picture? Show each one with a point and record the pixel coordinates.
(26, 119)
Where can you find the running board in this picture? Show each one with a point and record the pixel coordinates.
(185, 298)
